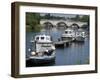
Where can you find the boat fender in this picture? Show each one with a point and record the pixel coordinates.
(53, 48)
(33, 53)
(50, 52)
(46, 52)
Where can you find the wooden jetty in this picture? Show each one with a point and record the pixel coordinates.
(62, 43)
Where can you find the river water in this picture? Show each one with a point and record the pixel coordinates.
(74, 54)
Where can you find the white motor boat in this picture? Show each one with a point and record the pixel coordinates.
(80, 35)
(74, 35)
(68, 34)
(44, 49)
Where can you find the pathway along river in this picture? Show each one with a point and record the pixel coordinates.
(74, 54)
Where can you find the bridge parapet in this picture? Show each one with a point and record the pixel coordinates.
(67, 22)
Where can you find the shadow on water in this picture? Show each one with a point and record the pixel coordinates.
(62, 45)
(78, 43)
(31, 63)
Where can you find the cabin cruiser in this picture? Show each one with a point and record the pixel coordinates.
(77, 35)
(68, 34)
(44, 49)
(80, 35)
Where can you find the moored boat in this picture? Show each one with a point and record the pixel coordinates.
(80, 35)
(44, 50)
(68, 34)
(74, 35)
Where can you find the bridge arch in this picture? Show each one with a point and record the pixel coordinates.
(47, 25)
(75, 26)
(62, 25)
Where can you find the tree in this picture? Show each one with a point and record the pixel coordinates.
(33, 20)
(47, 16)
(85, 18)
(77, 18)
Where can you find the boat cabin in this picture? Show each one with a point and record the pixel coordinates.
(44, 50)
(43, 38)
(81, 33)
(68, 31)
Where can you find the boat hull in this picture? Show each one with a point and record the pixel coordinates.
(40, 62)
(67, 38)
(79, 39)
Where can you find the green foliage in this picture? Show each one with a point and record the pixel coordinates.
(77, 18)
(48, 16)
(37, 28)
(84, 18)
(33, 20)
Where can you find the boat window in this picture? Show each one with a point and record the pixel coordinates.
(70, 32)
(42, 38)
(46, 45)
(37, 38)
(47, 38)
(51, 39)
(66, 32)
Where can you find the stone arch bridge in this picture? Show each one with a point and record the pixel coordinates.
(62, 23)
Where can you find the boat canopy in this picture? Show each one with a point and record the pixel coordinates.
(43, 38)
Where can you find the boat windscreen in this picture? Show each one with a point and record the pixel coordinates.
(42, 38)
(37, 38)
(66, 32)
